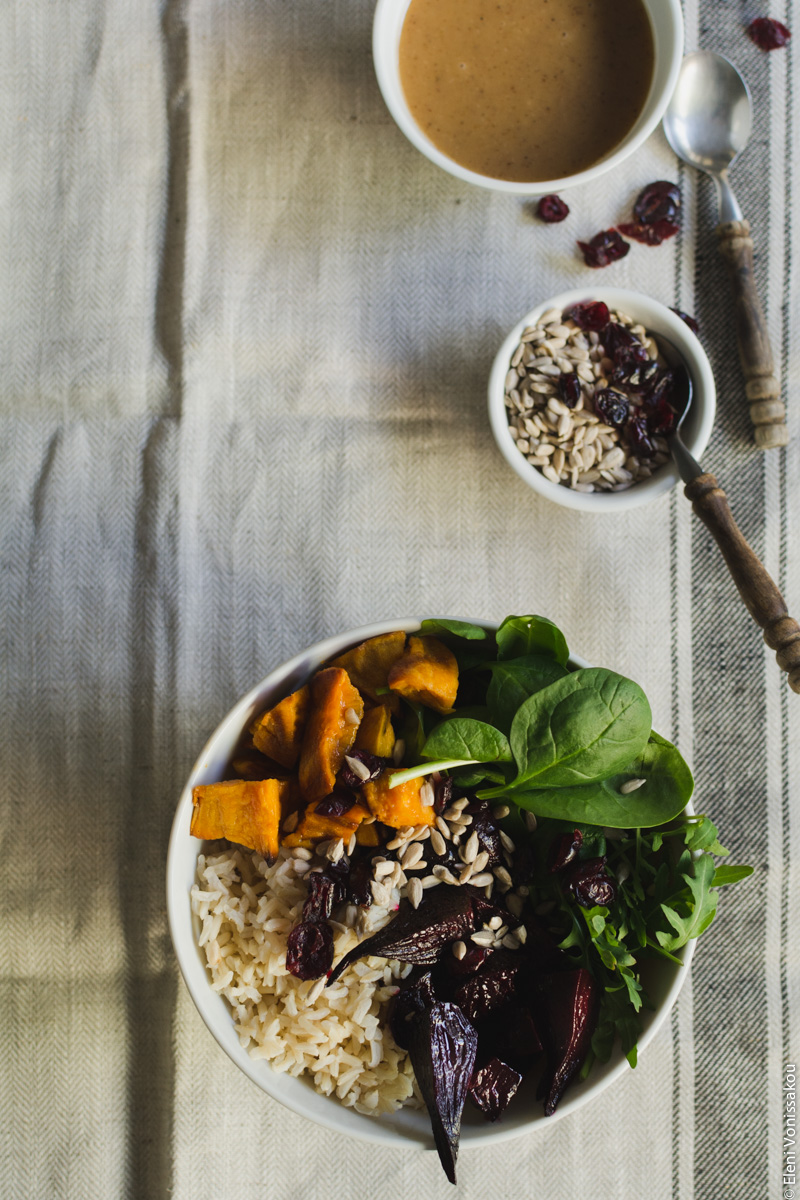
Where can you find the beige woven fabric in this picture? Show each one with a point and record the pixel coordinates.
(245, 332)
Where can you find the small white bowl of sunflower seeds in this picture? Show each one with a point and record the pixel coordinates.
(579, 398)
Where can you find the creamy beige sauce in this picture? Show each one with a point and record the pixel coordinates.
(526, 90)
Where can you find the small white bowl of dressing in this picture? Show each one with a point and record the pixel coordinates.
(451, 77)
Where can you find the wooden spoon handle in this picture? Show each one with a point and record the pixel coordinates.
(756, 587)
(763, 390)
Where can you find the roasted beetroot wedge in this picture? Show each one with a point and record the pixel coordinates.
(491, 988)
(569, 1005)
(493, 1088)
(415, 996)
(418, 935)
(442, 1046)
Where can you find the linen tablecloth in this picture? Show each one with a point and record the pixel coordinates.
(245, 331)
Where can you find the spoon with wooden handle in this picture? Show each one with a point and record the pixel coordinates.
(707, 123)
(756, 587)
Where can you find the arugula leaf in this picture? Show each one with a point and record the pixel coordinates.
(581, 728)
(666, 792)
(531, 635)
(514, 680)
(463, 737)
(726, 875)
(434, 627)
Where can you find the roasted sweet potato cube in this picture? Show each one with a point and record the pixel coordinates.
(278, 732)
(242, 810)
(368, 665)
(397, 806)
(331, 824)
(331, 728)
(367, 835)
(426, 674)
(375, 733)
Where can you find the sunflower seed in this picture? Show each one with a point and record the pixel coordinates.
(482, 937)
(359, 769)
(459, 950)
(631, 785)
(351, 717)
(414, 892)
(482, 879)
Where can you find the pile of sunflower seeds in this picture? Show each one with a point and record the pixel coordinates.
(572, 446)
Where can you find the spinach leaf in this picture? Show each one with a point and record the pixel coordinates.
(470, 777)
(435, 628)
(514, 680)
(584, 727)
(462, 737)
(666, 792)
(531, 635)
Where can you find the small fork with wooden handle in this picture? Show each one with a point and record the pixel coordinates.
(756, 587)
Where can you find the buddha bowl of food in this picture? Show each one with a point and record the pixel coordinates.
(434, 883)
(527, 96)
(585, 390)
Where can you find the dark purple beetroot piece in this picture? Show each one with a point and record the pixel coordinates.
(348, 777)
(309, 951)
(650, 235)
(612, 406)
(552, 209)
(335, 805)
(324, 891)
(604, 248)
(690, 321)
(418, 935)
(491, 988)
(564, 849)
(589, 883)
(472, 961)
(413, 998)
(569, 1005)
(569, 388)
(591, 315)
(659, 201)
(768, 33)
(493, 1087)
(442, 1047)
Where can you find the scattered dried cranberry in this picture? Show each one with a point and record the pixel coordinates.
(690, 321)
(564, 850)
(347, 776)
(335, 805)
(612, 406)
(324, 892)
(653, 234)
(618, 337)
(589, 883)
(592, 314)
(659, 201)
(552, 209)
(569, 387)
(661, 415)
(768, 34)
(442, 794)
(484, 824)
(309, 951)
(358, 884)
(604, 248)
(639, 434)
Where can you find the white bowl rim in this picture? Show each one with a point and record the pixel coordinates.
(658, 318)
(332, 1115)
(387, 74)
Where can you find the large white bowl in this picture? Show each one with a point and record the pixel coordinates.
(407, 1127)
(695, 432)
(667, 24)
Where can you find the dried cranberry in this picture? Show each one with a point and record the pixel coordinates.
(347, 776)
(589, 883)
(357, 884)
(604, 248)
(324, 891)
(639, 435)
(472, 961)
(618, 338)
(552, 209)
(653, 234)
(636, 378)
(442, 794)
(309, 951)
(335, 805)
(612, 406)
(658, 402)
(564, 850)
(768, 33)
(485, 825)
(659, 201)
(690, 321)
(591, 314)
(569, 387)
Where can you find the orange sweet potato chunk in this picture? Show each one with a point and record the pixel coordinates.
(242, 810)
(333, 721)
(397, 806)
(426, 674)
(368, 665)
(314, 825)
(278, 732)
(375, 733)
